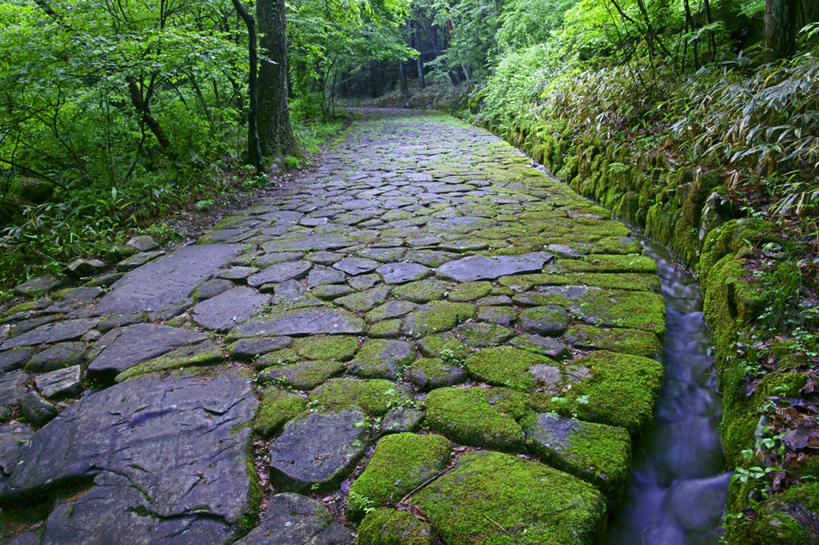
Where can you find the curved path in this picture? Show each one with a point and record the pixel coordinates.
(425, 291)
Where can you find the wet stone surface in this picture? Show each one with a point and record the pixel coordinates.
(411, 282)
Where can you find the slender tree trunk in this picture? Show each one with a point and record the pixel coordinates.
(254, 150)
(780, 29)
(142, 105)
(403, 76)
(690, 23)
(419, 60)
(275, 135)
(712, 42)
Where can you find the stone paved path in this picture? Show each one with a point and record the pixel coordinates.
(425, 292)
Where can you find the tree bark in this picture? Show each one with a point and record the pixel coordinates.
(275, 134)
(419, 60)
(142, 105)
(779, 41)
(254, 149)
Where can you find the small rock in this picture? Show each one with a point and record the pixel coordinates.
(142, 243)
(80, 268)
(61, 383)
(248, 349)
(14, 358)
(37, 285)
(13, 388)
(137, 260)
(57, 356)
(37, 410)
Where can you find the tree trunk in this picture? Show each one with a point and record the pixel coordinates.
(403, 76)
(142, 105)
(254, 149)
(275, 134)
(420, 60)
(780, 29)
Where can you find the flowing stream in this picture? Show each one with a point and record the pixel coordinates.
(678, 487)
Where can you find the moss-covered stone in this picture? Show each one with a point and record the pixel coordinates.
(612, 388)
(431, 373)
(630, 341)
(330, 347)
(400, 463)
(277, 357)
(783, 519)
(479, 334)
(204, 353)
(445, 346)
(364, 300)
(304, 375)
(436, 317)
(374, 397)
(469, 291)
(422, 291)
(383, 358)
(512, 367)
(600, 263)
(388, 329)
(479, 416)
(497, 314)
(275, 409)
(596, 453)
(390, 527)
(496, 498)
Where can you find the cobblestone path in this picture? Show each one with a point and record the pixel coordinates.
(425, 340)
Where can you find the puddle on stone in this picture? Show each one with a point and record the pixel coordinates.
(678, 487)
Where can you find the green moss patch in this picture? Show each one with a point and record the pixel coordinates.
(612, 388)
(330, 347)
(445, 346)
(507, 366)
(383, 358)
(479, 416)
(596, 453)
(431, 373)
(495, 498)
(630, 341)
(478, 334)
(422, 291)
(436, 317)
(276, 408)
(204, 353)
(602, 263)
(304, 375)
(612, 308)
(390, 527)
(388, 329)
(400, 463)
(469, 291)
(374, 397)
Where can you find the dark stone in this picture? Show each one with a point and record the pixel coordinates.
(57, 356)
(119, 320)
(224, 311)
(292, 519)
(13, 388)
(137, 260)
(318, 449)
(167, 281)
(13, 438)
(52, 333)
(60, 383)
(120, 349)
(212, 288)
(115, 511)
(238, 273)
(320, 276)
(355, 265)
(400, 273)
(401, 420)
(303, 321)
(248, 349)
(37, 410)
(309, 242)
(382, 358)
(14, 358)
(478, 267)
(546, 320)
(331, 291)
(179, 440)
(37, 285)
(279, 273)
(304, 375)
(364, 281)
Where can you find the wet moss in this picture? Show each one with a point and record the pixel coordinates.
(495, 498)
(189, 356)
(375, 397)
(330, 347)
(400, 463)
(506, 366)
(387, 329)
(479, 416)
(304, 375)
(436, 317)
(620, 390)
(469, 291)
(276, 408)
(390, 527)
(630, 341)
(783, 519)
(601, 263)
(422, 291)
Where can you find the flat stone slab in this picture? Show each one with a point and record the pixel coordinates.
(37, 285)
(304, 321)
(355, 265)
(120, 349)
(51, 333)
(478, 267)
(279, 272)
(400, 273)
(224, 311)
(177, 439)
(293, 519)
(13, 388)
(317, 451)
(13, 438)
(140, 292)
(62, 382)
(14, 358)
